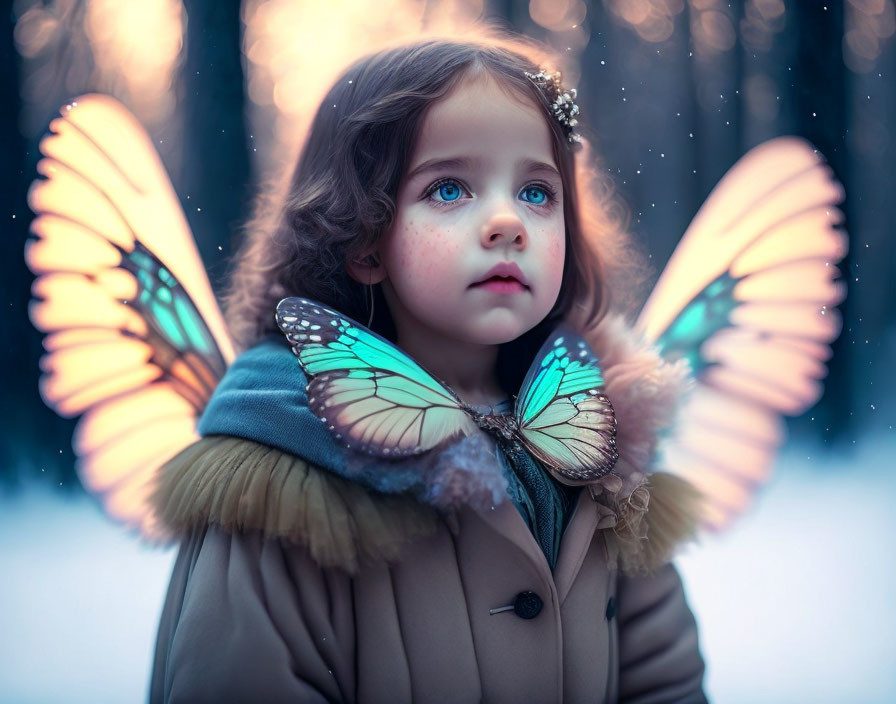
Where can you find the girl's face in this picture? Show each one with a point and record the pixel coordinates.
(482, 190)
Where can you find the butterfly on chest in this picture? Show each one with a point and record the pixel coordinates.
(376, 399)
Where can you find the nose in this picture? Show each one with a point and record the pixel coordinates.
(502, 228)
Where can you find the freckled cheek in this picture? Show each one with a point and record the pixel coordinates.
(551, 258)
(425, 253)
(553, 246)
(556, 248)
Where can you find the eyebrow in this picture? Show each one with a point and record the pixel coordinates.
(527, 165)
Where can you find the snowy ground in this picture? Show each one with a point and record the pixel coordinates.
(81, 601)
(795, 604)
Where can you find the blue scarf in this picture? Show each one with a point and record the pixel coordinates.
(262, 398)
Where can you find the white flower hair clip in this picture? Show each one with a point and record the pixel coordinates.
(563, 103)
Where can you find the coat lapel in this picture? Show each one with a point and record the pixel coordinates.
(574, 543)
(506, 520)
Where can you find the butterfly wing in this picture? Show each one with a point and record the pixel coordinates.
(565, 419)
(369, 392)
(748, 298)
(135, 343)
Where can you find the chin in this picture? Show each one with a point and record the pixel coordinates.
(498, 332)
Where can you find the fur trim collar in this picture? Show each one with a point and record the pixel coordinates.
(241, 484)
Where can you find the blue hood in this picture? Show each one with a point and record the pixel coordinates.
(262, 398)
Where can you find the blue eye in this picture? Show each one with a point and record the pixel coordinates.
(449, 191)
(535, 195)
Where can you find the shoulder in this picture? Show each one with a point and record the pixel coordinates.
(243, 485)
(646, 514)
(646, 530)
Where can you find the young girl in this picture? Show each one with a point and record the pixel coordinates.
(441, 200)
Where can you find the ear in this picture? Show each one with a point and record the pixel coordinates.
(366, 269)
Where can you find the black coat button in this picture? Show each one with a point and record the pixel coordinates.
(611, 608)
(527, 605)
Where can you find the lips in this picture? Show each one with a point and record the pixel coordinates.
(504, 271)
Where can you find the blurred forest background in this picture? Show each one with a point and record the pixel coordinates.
(794, 603)
(674, 91)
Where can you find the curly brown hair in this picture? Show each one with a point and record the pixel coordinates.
(339, 199)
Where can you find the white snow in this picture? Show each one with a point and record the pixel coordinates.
(81, 602)
(795, 603)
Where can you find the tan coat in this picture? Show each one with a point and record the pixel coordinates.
(258, 619)
(294, 584)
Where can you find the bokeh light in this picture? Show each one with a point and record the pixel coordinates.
(136, 46)
(762, 20)
(712, 27)
(869, 23)
(653, 20)
(292, 58)
(130, 50)
(567, 32)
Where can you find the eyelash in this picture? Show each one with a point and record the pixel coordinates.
(549, 191)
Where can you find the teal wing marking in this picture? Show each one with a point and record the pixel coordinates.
(183, 346)
(706, 314)
(370, 393)
(565, 419)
